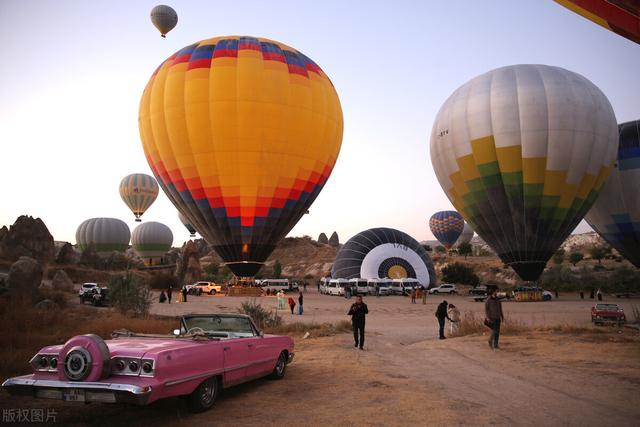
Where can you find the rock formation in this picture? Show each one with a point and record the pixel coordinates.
(189, 251)
(24, 275)
(334, 240)
(322, 238)
(27, 237)
(67, 255)
(61, 281)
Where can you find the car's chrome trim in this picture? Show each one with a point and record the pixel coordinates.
(193, 377)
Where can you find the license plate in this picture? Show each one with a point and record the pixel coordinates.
(73, 395)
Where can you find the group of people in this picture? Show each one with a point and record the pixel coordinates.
(165, 295)
(445, 311)
(593, 294)
(418, 292)
(291, 302)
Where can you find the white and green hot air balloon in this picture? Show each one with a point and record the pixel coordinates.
(522, 152)
(151, 241)
(105, 235)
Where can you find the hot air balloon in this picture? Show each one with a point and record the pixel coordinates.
(138, 191)
(164, 18)
(242, 133)
(446, 226)
(187, 225)
(465, 236)
(522, 153)
(615, 215)
(151, 241)
(620, 16)
(104, 234)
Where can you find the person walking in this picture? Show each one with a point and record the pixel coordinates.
(358, 312)
(184, 294)
(454, 317)
(300, 301)
(292, 304)
(424, 295)
(413, 295)
(441, 314)
(169, 291)
(494, 316)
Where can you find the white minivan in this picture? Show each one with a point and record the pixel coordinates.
(275, 285)
(324, 284)
(409, 283)
(336, 286)
(396, 287)
(359, 286)
(383, 286)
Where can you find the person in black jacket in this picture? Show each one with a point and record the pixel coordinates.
(494, 316)
(358, 311)
(441, 314)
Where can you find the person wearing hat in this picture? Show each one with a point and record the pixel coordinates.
(454, 316)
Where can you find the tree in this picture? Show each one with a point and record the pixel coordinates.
(575, 257)
(127, 293)
(464, 249)
(441, 249)
(427, 248)
(597, 252)
(558, 257)
(277, 269)
(212, 269)
(458, 273)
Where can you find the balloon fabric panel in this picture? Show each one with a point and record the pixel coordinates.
(242, 134)
(620, 16)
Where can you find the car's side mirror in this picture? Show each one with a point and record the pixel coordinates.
(176, 332)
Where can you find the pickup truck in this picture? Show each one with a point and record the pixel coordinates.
(207, 287)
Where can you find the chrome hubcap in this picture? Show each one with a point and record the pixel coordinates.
(208, 390)
(280, 365)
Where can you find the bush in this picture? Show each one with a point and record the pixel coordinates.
(277, 270)
(558, 257)
(458, 273)
(465, 249)
(262, 317)
(117, 261)
(575, 257)
(598, 252)
(441, 249)
(163, 281)
(625, 280)
(127, 294)
(212, 269)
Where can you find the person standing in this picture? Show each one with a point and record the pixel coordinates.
(581, 294)
(592, 294)
(280, 297)
(300, 301)
(184, 294)
(424, 295)
(358, 312)
(169, 290)
(377, 285)
(494, 316)
(441, 314)
(413, 295)
(347, 291)
(599, 294)
(304, 286)
(454, 317)
(292, 304)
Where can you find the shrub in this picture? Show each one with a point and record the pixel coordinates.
(441, 249)
(626, 280)
(212, 269)
(558, 257)
(598, 252)
(465, 249)
(262, 317)
(127, 294)
(575, 257)
(277, 270)
(458, 273)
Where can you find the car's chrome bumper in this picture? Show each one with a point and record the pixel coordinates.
(291, 355)
(81, 391)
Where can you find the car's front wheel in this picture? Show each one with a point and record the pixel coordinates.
(435, 292)
(212, 292)
(205, 395)
(280, 368)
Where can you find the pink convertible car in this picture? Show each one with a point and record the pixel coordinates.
(208, 353)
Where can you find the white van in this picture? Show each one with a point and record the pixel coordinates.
(324, 284)
(396, 287)
(359, 286)
(383, 286)
(409, 283)
(275, 285)
(336, 286)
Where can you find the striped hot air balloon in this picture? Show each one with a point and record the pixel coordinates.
(138, 191)
(105, 235)
(242, 134)
(151, 241)
(446, 226)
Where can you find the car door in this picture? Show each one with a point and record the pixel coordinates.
(262, 357)
(236, 359)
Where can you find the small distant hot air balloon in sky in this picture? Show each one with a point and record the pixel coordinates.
(138, 191)
(616, 213)
(242, 133)
(522, 152)
(446, 226)
(187, 224)
(620, 16)
(164, 18)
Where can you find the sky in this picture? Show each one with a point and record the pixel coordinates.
(73, 72)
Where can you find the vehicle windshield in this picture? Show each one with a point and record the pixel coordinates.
(235, 327)
(383, 284)
(607, 307)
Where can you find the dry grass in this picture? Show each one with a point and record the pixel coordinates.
(315, 329)
(24, 329)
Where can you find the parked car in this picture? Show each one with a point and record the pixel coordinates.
(210, 288)
(445, 288)
(86, 287)
(603, 313)
(193, 289)
(479, 293)
(359, 286)
(383, 286)
(207, 353)
(547, 295)
(97, 297)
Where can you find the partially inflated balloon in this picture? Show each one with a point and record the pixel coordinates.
(138, 191)
(446, 226)
(522, 152)
(465, 236)
(616, 213)
(242, 134)
(187, 225)
(620, 16)
(164, 18)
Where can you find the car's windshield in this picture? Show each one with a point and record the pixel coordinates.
(607, 307)
(234, 326)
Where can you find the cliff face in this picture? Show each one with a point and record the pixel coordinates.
(29, 237)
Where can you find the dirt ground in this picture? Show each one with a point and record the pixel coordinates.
(406, 377)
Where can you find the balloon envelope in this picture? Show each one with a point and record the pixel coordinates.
(138, 191)
(522, 152)
(616, 213)
(620, 16)
(187, 225)
(242, 133)
(164, 18)
(104, 234)
(151, 239)
(446, 226)
(465, 236)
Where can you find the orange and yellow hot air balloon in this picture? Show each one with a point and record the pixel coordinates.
(242, 133)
